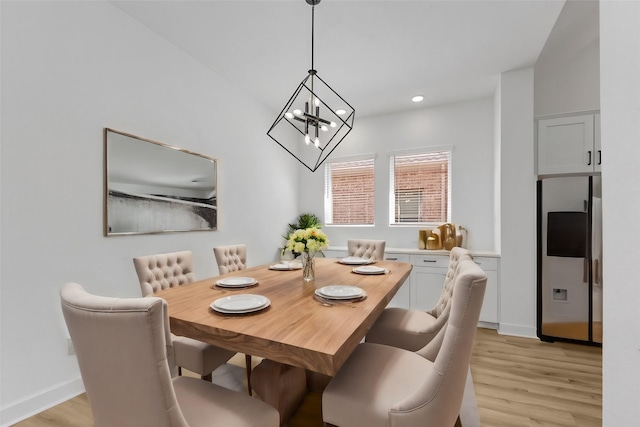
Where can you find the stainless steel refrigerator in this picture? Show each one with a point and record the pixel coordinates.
(569, 228)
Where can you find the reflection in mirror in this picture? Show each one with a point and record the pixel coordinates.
(151, 187)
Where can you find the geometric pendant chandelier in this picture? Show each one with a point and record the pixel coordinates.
(315, 119)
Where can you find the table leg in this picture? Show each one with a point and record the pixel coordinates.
(281, 386)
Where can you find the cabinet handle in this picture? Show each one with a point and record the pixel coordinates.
(391, 259)
(599, 157)
(589, 162)
(429, 260)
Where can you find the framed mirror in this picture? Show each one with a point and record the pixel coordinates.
(152, 187)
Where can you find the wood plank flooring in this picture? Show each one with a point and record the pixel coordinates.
(519, 382)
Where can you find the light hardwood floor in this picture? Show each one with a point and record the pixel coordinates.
(518, 381)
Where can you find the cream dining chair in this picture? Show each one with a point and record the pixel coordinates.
(366, 248)
(123, 347)
(234, 258)
(231, 258)
(386, 386)
(167, 270)
(413, 329)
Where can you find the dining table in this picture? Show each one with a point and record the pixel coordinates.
(296, 328)
(303, 336)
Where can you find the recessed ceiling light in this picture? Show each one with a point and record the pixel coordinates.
(340, 112)
(417, 98)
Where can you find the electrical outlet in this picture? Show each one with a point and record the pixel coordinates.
(70, 350)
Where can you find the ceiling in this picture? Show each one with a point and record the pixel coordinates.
(375, 54)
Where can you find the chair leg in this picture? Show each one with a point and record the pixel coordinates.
(207, 377)
(247, 362)
(179, 371)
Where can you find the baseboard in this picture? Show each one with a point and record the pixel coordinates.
(31, 405)
(517, 330)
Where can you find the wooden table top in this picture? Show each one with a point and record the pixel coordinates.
(295, 329)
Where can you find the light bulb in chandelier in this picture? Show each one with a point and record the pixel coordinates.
(317, 142)
(307, 139)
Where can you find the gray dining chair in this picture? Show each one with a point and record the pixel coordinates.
(382, 386)
(162, 271)
(413, 329)
(123, 347)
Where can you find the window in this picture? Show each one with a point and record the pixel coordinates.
(420, 188)
(349, 192)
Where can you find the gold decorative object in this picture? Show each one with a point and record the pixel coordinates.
(444, 236)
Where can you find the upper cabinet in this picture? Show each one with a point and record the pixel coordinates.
(569, 145)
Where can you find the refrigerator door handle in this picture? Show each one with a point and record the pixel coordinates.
(585, 272)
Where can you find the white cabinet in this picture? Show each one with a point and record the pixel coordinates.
(490, 309)
(427, 279)
(335, 253)
(402, 298)
(569, 144)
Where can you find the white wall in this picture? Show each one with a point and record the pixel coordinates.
(620, 109)
(467, 126)
(518, 213)
(69, 69)
(567, 73)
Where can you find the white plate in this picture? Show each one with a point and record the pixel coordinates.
(340, 292)
(236, 282)
(354, 260)
(369, 269)
(244, 303)
(287, 266)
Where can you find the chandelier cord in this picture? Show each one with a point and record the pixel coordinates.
(313, 9)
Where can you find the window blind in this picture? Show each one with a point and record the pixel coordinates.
(420, 187)
(349, 192)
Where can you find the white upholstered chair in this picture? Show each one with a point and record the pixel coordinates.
(413, 329)
(380, 385)
(231, 258)
(366, 248)
(162, 271)
(124, 353)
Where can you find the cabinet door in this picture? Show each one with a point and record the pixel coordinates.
(489, 312)
(566, 145)
(426, 284)
(402, 298)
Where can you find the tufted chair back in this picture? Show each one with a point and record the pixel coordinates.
(366, 248)
(162, 271)
(416, 330)
(231, 258)
(128, 384)
(455, 256)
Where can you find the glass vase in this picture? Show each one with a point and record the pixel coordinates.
(308, 267)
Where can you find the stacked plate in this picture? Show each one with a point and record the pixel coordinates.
(340, 292)
(355, 260)
(236, 282)
(369, 269)
(239, 304)
(283, 266)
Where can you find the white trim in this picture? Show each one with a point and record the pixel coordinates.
(421, 150)
(34, 404)
(354, 158)
(517, 330)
